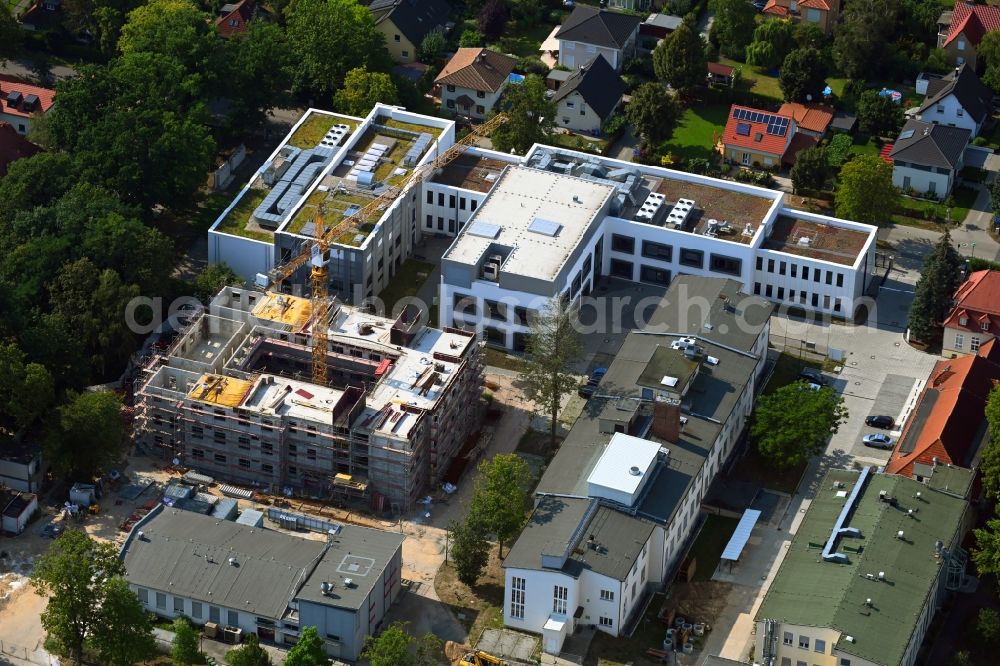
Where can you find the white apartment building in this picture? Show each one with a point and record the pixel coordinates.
(562, 221)
(618, 504)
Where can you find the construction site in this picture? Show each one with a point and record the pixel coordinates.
(239, 397)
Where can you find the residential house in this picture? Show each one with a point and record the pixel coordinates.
(590, 31)
(655, 29)
(17, 509)
(757, 138)
(821, 13)
(473, 81)
(975, 316)
(619, 504)
(632, 5)
(254, 580)
(43, 16)
(961, 30)
(589, 97)
(13, 147)
(405, 23)
(958, 99)
(927, 158)
(23, 101)
(811, 119)
(946, 429)
(234, 18)
(873, 558)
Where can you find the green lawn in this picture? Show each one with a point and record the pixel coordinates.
(786, 370)
(694, 134)
(407, 282)
(864, 145)
(236, 221)
(525, 43)
(312, 130)
(711, 541)
(501, 359)
(577, 142)
(762, 83)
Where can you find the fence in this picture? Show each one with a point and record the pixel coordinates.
(21, 654)
(807, 350)
(297, 521)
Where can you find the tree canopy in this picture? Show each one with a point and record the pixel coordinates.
(501, 499)
(308, 651)
(530, 116)
(362, 90)
(989, 466)
(793, 423)
(865, 192)
(470, 550)
(249, 654)
(803, 75)
(679, 60)
(773, 40)
(88, 437)
(811, 169)
(939, 278)
(123, 632)
(653, 112)
(75, 574)
(862, 42)
(733, 26)
(879, 115)
(395, 647)
(184, 650)
(989, 51)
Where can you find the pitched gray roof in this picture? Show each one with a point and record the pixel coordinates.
(928, 144)
(599, 27)
(599, 85)
(975, 98)
(413, 18)
(188, 554)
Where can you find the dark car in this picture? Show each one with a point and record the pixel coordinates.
(880, 421)
(597, 373)
(586, 390)
(812, 375)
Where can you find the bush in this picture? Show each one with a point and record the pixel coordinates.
(979, 264)
(470, 38)
(698, 165)
(614, 125)
(980, 141)
(839, 149)
(988, 626)
(532, 65)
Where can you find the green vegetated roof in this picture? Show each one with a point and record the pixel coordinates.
(809, 591)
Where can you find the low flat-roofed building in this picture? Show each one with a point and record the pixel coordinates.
(620, 500)
(263, 581)
(234, 398)
(17, 509)
(871, 562)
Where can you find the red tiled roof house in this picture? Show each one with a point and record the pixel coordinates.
(821, 13)
(234, 17)
(975, 317)
(756, 138)
(961, 30)
(21, 102)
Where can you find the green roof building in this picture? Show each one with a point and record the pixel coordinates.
(871, 562)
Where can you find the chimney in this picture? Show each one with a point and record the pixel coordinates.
(667, 420)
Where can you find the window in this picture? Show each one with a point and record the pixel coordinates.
(760, 263)
(819, 645)
(517, 598)
(606, 621)
(840, 279)
(143, 595)
(405, 54)
(745, 159)
(804, 642)
(799, 662)
(473, 203)
(197, 453)
(960, 112)
(395, 38)
(480, 94)
(756, 288)
(812, 15)
(214, 614)
(583, 112)
(480, 109)
(959, 340)
(654, 275)
(233, 618)
(451, 88)
(805, 272)
(770, 265)
(817, 274)
(829, 277)
(219, 458)
(974, 343)
(178, 605)
(607, 595)
(430, 222)
(694, 258)
(657, 251)
(621, 243)
(161, 600)
(845, 661)
(786, 661)
(196, 610)
(768, 290)
(782, 267)
(985, 326)
(961, 44)
(781, 293)
(440, 198)
(794, 268)
(720, 263)
(559, 596)
(622, 269)
(788, 638)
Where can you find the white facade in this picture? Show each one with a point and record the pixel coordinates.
(924, 180)
(579, 54)
(482, 101)
(444, 210)
(949, 111)
(574, 113)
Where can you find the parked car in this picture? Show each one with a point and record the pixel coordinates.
(812, 375)
(882, 421)
(586, 390)
(878, 441)
(597, 374)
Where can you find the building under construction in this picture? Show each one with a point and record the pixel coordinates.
(233, 398)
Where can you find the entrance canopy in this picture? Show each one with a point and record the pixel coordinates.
(740, 537)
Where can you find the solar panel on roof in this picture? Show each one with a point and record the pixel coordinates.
(545, 227)
(484, 229)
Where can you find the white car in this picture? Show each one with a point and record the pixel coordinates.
(878, 441)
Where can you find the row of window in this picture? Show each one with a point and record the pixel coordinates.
(466, 304)
(964, 321)
(451, 200)
(197, 609)
(479, 93)
(819, 645)
(792, 269)
(974, 342)
(718, 263)
(650, 274)
(800, 297)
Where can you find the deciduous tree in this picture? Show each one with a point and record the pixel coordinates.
(74, 574)
(395, 647)
(989, 51)
(26, 389)
(258, 72)
(679, 60)
(214, 277)
(501, 498)
(878, 115)
(308, 651)
(174, 29)
(733, 26)
(653, 112)
(470, 550)
(863, 40)
(123, 633)
(802, 76)
(553, 348)
(773, 40)
(10, 36)
(792, 424)
(492, 19)
(530, 116)
(362, 89)
(433, 46)
(184, 650)
(88, 435)
(939, 278)
(811, 169)
(249, 654)
(865, 192)
(989, 466)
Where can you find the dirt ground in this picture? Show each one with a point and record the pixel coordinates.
(481, 606)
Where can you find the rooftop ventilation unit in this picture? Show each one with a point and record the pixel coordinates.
(634, 471)
(491, 271)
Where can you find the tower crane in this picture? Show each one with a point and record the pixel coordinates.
(314, 252)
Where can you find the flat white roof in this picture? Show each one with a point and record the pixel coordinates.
(527, 204)
(292, 398)
(624, 455)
